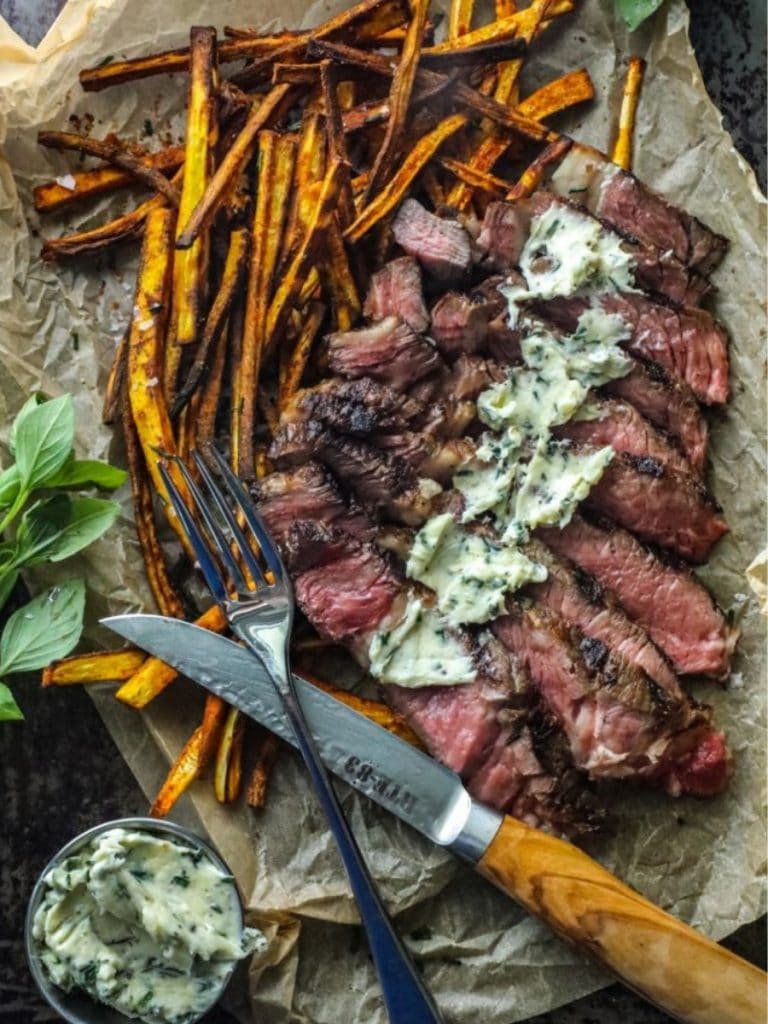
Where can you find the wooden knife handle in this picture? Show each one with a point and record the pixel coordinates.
(670, 964)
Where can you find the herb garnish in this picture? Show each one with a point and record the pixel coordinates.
(39, 522)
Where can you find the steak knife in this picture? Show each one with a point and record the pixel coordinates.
(665, 961)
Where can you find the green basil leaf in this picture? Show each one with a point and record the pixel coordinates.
(86, 473)
(9, 486)
(7, 583)
(635, 12)
(9, 709)
(41, 528)
(43, 630)
(44, 439)
(90, 517)
(31, 403)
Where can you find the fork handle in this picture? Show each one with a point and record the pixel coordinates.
(405, 995)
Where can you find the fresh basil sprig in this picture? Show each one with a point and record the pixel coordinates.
(635, 12)
(40, 522)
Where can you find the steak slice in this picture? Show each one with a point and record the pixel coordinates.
(345, 588)
(579, 599)
(396, 290)
(688, 343)
(459, 324)
(586, 176)
(388, 351)
(622, 427)
(660, 505)
(619, 724)
(669, 404)
(443, 247)
(667, 600)
(311, 494)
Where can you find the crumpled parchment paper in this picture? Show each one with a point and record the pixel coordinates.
(484, 959)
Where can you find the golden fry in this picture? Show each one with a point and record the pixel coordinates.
(113, 152)
(269, 751)
(262, 113)
(101, 181)
(307, 174)
(277, 154)
(165, 595)
(228, 766)
(476, 179)
(190, 265)
(533, 175)
(291, 282)
(622, 149)
(290, 377)
(184, 770)
(403, 81)
(460, 18)
(129, 225)
(396, 188)
(154, 675)
(339, 281)
(231, 279)
(103, 666)
(120, 71)
(564, 92)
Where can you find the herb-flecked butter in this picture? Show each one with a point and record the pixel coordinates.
(146, 925)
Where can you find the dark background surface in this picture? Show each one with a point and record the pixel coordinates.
(60, 772)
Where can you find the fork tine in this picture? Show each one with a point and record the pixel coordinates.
(196, 539)
(254, 520)
(221, 502)
(215, 532)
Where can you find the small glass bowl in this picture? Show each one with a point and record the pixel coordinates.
(78, 1007)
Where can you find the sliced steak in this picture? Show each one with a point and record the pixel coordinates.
(668, 601)
(459, 324)
(579, 599)
(388, 351)
(442, 247)
(688, 343)
(668, 403)
(588, 177)
(308, 493)
(504, 233)
(396, 290)
(618, 722)
(621, 426)
(348, 589)
(660, 505)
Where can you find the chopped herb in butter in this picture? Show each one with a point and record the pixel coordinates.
(470, 574)
(555, 480)
(144, 924)
(590, 356)
(419, 651)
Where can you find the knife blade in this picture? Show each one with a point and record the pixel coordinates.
(686, 974)
(419, 790)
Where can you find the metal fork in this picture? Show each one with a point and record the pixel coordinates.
(261, 614)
